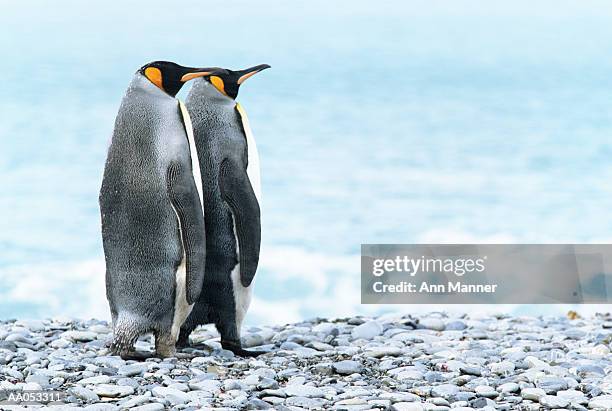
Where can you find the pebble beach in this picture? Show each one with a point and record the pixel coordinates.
(409, 363)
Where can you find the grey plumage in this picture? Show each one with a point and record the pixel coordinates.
(151, 218)
(231, 211)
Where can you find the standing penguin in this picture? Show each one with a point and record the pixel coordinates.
(229, 167)
(152, 216)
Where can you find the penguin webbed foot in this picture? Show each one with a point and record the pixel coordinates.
(237, 349)
(183, 343)
(183, 339)
(130, 353)
(136, 355)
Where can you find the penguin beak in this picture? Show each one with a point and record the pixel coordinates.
(245, 74)
(195, 73)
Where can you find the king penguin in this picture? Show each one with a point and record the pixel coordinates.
(151, 211)
(231, 179)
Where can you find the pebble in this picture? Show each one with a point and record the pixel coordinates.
(206, 385)
(171, 395)
(423, 362)
(552, 401)
(445, 391)
(486, 391)
(61, 343)
(502, 368)
(80, 336)
(407, 406)
(367, 330)
(14, 374)
(132, 369)
(533, 394)
(534, 362)
(135, 401)
(298, 390)
(577, 397)
(436, 324)
(149, 407)
(552, 384)
(98, 379)
(584, 370)
(471, 370)
(379, 352)
(603, 402)
(257, 404)
(100, 407)
(508, 387)
(456, 325)
(84, 394)
(267, 383)
(17, 337)
(112, 391)
(347, 367)
(305, 402)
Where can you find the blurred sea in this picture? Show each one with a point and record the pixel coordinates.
(379, 122)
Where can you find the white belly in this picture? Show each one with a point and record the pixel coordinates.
(181, 308)
(242, 295)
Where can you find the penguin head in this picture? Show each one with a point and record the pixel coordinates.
(170, 77)
(227, 82)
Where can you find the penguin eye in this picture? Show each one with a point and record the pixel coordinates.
(155, 76)
(218, 83)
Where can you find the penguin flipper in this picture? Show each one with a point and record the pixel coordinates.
(238, 193)
(186, 202)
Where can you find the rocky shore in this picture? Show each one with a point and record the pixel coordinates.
(431, 362)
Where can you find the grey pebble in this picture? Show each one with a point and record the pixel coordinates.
(446, 391)
(257, 404)
(101, 407)
(130, 382)
(299, 390)
(551, 384)
(552, 401)
(427, 362)
(436, 324)
(305, 402)
(367, 330)
(112, 391)
(149, 407)
(84, 394)
(455, 326)
(135, 401)
(132, 369)
(347, 367)
(171, 395)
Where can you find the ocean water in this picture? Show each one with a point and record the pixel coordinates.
(379, 122)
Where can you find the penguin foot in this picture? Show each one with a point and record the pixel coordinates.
(136, 355)
(183, 343)
(239, 351)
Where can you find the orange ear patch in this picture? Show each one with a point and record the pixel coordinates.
(218, 83)
(155, 76)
